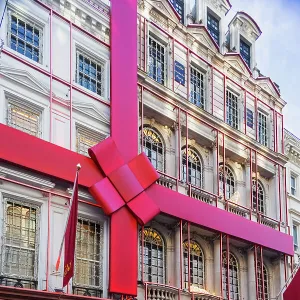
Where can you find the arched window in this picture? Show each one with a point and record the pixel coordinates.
(262, 282)
(153, 256)
(259, 201)
(154, 148)
(232, 277)
(229, 181)
(194, 167)
(196, 265)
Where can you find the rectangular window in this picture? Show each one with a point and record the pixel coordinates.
(86, 138)
(89, 73)
(179, 7)
(249, 118)
(293, 185)
(245, 52)
(20, 247)
(232, 117)
(179, 73)
(197, 88)
(88, 265)
(213, 27)
(262, 129)
(295, 237)
(23, 119)
(25, 37)
(157, 60)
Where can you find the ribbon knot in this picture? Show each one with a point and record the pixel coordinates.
(125, 184)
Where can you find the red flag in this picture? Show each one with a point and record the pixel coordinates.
(70, 236)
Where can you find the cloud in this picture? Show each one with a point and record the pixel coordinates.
(277, 49)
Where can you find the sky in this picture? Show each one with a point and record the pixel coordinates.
(278, 49)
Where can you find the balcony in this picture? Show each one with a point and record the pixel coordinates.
(167, 181)
(201, 195)
(157, 291)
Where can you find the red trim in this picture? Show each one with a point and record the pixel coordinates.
(239, 55)
(174, 10)
(252, 20)
(201, 26)
(272, 83)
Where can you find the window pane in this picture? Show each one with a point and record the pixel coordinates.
(245, 52)
(157, 66)
(213, 27)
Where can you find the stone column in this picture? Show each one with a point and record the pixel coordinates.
(217, 267)
(251, 276)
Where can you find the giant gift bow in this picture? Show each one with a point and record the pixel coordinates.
(124, 184)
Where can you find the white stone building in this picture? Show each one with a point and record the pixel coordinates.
(210, 123)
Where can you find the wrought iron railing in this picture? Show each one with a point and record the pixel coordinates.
(87, 291)
(18, 282)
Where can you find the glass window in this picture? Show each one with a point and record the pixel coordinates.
(20, 241)
(249, 118)
(25, 37)
(213, 27)
(262, 129)
(85, 139)
(89, 73)
(229, 181)
(196, 265)
(154, 148)
(232, 115)
(295, 236)
(88, 265)
(232, 277)
(24, 119)
(179, 7)
(157, 60)
(245, 52)
(293, 185)
(259, 200)
(197, 88)
(153, 252)
(262, 282)
(194, 167)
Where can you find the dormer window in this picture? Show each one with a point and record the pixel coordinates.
(179, 7)
(213, 27)
(245, 52)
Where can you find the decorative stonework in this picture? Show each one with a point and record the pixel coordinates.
(292, 147)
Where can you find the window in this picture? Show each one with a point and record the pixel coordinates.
(259, 201)
(262, 129)
(25, 37)
(153, 253)
(213, 27)
(262, 282)
(197, 88)
(196, 265)
(86, 138)
(245, 52)
(88, 264)
(157, 60)
(154, 148)
(232, 116)
(194, 167)
(179, 7)
(20, 243)
(24, 119)
(89, 73)
(229, 181)
(295, 236)
(249, 118)
(232, 277)
(293, 185)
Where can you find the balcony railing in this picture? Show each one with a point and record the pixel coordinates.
(201, 195)
(18, 282)
(237, 209)
(167, 181)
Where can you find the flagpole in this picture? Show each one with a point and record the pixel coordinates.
(66, 225)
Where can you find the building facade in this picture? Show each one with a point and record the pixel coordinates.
(210, 123)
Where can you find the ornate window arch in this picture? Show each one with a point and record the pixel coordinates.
(196, 264)
(259, 202)
(262, 282)
(233, 277)
(195, 168)
(153, 253)
(229, 180)
(154, 148)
